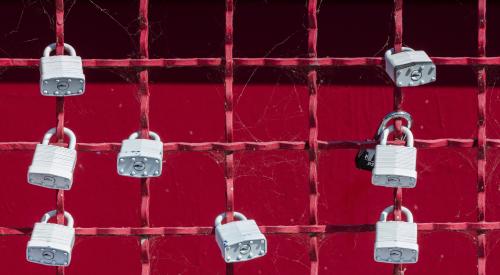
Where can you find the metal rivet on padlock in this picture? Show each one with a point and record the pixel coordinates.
(61, 75)
(140, 158)
(409, 67)
(395, 166)
(50, 243)
(365, 159)
(239, 240)
(396, 241)
(53, 166)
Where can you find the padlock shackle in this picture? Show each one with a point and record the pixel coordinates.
(391, 51)
(405, 130)
(237, 215)
(152, 134)
(67, 131)
(390, 116)
(46, 217)
(390, 209)
(51, 47)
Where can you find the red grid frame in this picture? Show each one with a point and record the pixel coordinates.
(312, 145)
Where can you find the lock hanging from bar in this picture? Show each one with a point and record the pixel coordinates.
(365, 158)
(409, 67)
(396, 241)
(395, 166)
(53, 166)
(140, 158)
(239, 240)
(61, 75)
(50, 243)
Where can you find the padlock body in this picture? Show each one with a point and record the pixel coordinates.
(61, 75)
(240, 241)
(365, 159)
(51, 244)
(140, 158)
(396, 242)
(410, 68)
(52, 167)
(395, 166)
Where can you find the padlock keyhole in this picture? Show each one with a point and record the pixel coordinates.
(139, 165)
(395, 254)
(62, 85)
(245, 249)
(48, 255)
(416, 75)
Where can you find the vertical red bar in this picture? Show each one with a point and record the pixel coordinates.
(228, 86)
(143, 93)
(60, 110)
(481, 137)
(398, 100)
(312, 81)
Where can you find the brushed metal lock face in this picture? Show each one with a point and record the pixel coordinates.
(51, 244)
(395, 166)
(409, 67)
(396, 241)
(239, 240)
(61, 75)
(53, 166)
(140, 158)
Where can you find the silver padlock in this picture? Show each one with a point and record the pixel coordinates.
(409, 67)
(53, 166)
(50, 243)
(61, 75)
(395, 166)
(140, 158)
(396, 241)
(240, 240)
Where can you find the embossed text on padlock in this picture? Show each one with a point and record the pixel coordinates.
(239, 240)
(50, 243)
(53, 166)
(395, 166)
(61, 75)
(409, 67)
(140, 158)
(396, 241)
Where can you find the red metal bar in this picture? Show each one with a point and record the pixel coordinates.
(143, 93)
(312, 82)
(481, 138)
(259, 146)
(465, 227)
(59, 13)
(398, 101)
(254, 62)
(228, 103)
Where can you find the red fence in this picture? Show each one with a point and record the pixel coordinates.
(216, 161)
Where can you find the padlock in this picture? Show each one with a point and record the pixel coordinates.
(53, 166)
(140, 158)
(396, 241)
(409, 67)
(61, 75)
(395, 166)
(50, 243)
(239, 240)
(365, 158)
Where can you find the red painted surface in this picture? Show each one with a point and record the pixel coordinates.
(187, 105)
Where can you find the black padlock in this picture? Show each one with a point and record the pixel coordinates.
(365, 159)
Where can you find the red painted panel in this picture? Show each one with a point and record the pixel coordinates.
(187, 105)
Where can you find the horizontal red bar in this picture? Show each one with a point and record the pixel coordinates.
(270, 62)
(292, 229)
(256, 146)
